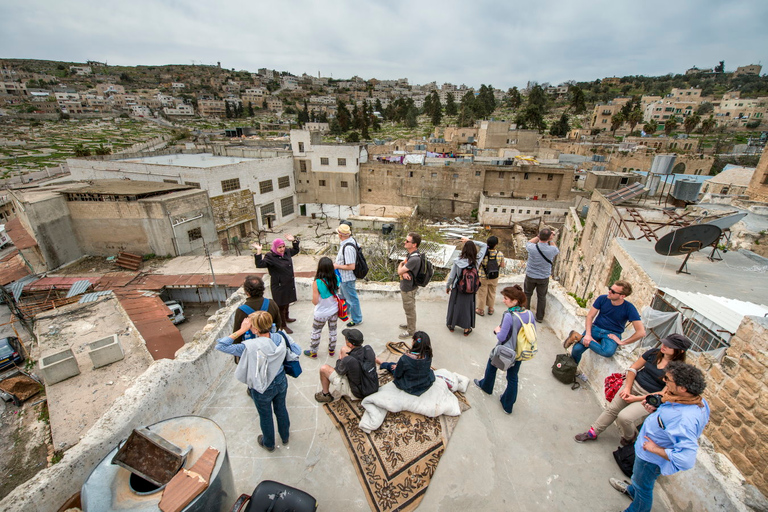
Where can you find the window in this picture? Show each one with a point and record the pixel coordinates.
(265, 186)
(525, 176)
(623, 181)
(501, 193)
(550, 177)
(268, 209)
(455, 176)
(501, 175)
(389, 173)
(170, 181)
(195, 234)
(410, 174)
(487, 209)
(495, 210)
(477, 173)
(230, 185)
(193, 184)
(301, 147)
(503, 210)
(323, 161)
(303, 165)
(286, 205)
(321, 183)
(344, 184)
(455, 195)
(342, 162)
(434, 175)
(547, 212)
(615, 272)
(527, 211)
(543, 196)
(283, 182)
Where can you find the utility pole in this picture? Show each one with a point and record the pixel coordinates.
(210, 262)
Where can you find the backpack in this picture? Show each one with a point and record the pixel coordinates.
(470, 280)
(425, 273)
(369, 376)
(491, 266)
(248, 310)
(625, 458)
(526, 340)
(564, 370)
(361, 266)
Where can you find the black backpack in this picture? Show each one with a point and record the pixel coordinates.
(625, 458)
(361, 266)
(425, 273)
(470, 280)
(369, 376)
(564, 370)
(491, 266)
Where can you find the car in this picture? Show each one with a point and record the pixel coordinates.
(9, 353)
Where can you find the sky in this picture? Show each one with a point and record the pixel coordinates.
(502, 43)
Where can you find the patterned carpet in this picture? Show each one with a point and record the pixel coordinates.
(396, 462)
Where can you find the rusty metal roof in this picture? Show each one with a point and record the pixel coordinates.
(125, 187)
(12, 268)
(150, 316)
(60, 283)
(20, 236)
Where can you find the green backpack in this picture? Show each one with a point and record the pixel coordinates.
(526, 340)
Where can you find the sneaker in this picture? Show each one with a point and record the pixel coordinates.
(260, 441)
(620, 485)
(403, 326)
(323, 398)
(353, 323)
(285, 441)
(573, 337)
(405, 335)
(582, 377)
(331, 353)
(586, 436)
(310, 353)
(477, 383)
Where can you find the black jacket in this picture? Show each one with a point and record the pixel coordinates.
(280, 269)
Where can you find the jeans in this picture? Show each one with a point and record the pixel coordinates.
(348, 291)
(273, 398)
(509, 397)
(602, 345)
(541, 286)
(644, 475)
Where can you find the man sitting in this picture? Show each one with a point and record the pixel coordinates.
(355, 373)
(603, 335)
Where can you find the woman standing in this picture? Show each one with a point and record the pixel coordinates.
(643, 378)
(280, 266)
(273, 347)
(325, 288)
(515, 301)
(461, 306)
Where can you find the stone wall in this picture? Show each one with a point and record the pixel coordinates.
(738, 396)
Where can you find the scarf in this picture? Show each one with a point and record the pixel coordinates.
(669, 397)
(516, 309)
(277, 242)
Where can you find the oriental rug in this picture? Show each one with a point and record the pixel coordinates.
(395, 463)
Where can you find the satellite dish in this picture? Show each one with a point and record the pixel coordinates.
(725, 224)
(686, 241)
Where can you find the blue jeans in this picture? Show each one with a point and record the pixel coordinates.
(644, 475)
(349, 293)
(602, 345)
(273, 398)
(509, 397)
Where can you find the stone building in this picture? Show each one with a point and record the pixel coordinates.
(757, 190)
(732, 181)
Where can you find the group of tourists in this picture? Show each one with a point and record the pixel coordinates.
(660, 394)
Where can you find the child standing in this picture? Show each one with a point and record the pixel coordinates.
(325, 288)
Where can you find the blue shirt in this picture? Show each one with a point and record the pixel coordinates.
(676, 428)
(614, 318)
(537, 267)
(228, 346)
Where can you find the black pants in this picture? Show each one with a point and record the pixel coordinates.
(541, 286)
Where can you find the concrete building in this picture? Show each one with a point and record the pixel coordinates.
(501, 134)
(610, 180)
(752, 69)
(179, 110)
(505, 211)
(246, 194)
(211, 108)
(732, 181)
(602, 113)
(757, 190)
(733, 110)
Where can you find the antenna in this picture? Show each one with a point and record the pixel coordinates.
(686, 241)
(724, 223)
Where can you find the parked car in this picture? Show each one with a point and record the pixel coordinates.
(9, 353)
(177, 312)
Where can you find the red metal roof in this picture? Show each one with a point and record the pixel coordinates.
(150, 316)
(60, 283)
(20, 236)
(12, 268)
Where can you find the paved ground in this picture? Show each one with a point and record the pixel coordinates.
(525, 462)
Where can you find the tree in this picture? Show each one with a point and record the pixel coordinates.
(650, 127)
(343, 116)
(531, 118)
(514, 100)
(616, 121)
(485, 103)
(561, 127)
(250, 109)
(634, 118)
(708, 125)
(720, 68)
(353, 137)
(670, 125)
(101, 150)
(437, 116)
(227, 110)
(411, 117)
(577, 99)
(537, 98)
(450, 105)
(81, 151)
(378, 106)
(335, 127)
(691, 122)
(467, 110)
(705, 108)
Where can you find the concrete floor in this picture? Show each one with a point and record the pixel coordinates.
(525, 462)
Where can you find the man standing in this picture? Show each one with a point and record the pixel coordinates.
(254, 289)
(355, 373)
(407, 270)
(603, 335)
(345, 264)
(541, 252)
(489, 277)
(668, 441)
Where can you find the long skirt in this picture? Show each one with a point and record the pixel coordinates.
(461, 310)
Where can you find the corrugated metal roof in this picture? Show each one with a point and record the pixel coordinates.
(20, 236)
(90, 297)
(441, 255)
(19, 285)
(12, 268)
(78, 287)
(724, 312)
(60, 283)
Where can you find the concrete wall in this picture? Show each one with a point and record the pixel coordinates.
(758, 185)
(49, 222)
(504, 212)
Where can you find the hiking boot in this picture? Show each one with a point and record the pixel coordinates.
(288, 330)
(403, 327)
(260, 441)
(586, 436)
(405, 335)
(323, 398)
(572, 338)
(310, 353)
(620, 485)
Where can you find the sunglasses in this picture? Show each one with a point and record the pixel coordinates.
(611, 290)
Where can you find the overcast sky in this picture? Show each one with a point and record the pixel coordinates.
(503, 43)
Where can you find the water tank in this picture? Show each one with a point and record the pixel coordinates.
(686, 190)
(663, 164)
(111, 487)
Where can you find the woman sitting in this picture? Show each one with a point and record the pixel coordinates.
(413, 372)
(643, 378)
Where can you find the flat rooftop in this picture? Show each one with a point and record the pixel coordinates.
(199, 160)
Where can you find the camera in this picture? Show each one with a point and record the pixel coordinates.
(653, 400)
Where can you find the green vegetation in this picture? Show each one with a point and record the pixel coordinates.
(582, 302)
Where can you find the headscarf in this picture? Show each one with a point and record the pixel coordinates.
(277, 243)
